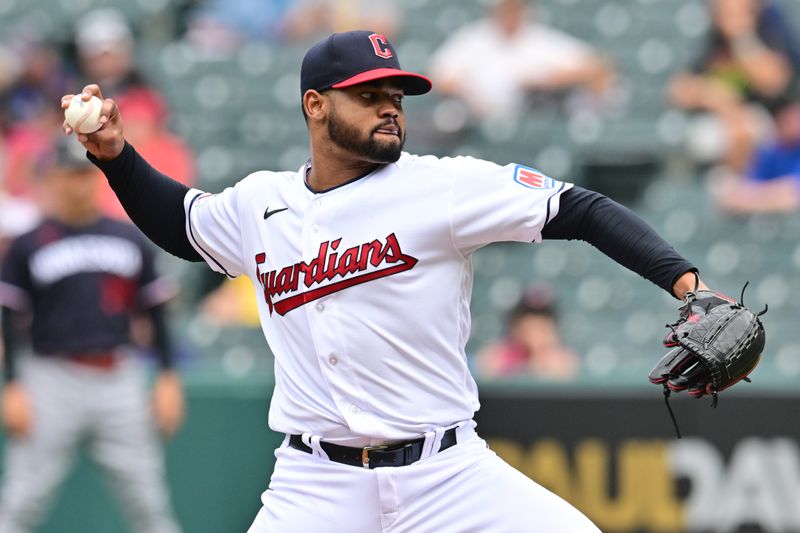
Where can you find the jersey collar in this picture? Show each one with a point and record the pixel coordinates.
(307, 168)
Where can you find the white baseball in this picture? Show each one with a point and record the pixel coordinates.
(84, 117)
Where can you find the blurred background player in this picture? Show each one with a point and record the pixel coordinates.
(532, 345)
(496, 63)
(80, 277)
(750, 56)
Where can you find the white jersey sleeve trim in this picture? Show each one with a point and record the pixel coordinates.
(553, 205)
(189, 202)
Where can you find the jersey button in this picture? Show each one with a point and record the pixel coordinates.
(317, 203)
(354, 409)
(320, 307)
(315, 228)
(333, 361)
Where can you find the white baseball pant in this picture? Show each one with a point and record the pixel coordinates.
(464, 489)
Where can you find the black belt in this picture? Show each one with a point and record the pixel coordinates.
(400, 454)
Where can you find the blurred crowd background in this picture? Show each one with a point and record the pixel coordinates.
(687, 111)
(684, 110)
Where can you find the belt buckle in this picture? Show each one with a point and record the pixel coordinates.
(365, 453)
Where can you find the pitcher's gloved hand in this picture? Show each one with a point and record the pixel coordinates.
(715, 343)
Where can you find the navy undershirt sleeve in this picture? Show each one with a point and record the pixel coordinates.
(153, 201)
(619, 233)
(9, 344)
(161, 340)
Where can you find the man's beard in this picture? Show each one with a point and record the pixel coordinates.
(349, 138)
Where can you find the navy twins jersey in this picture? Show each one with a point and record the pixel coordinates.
(80, 283)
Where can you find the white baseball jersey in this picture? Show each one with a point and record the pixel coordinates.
(364, 289)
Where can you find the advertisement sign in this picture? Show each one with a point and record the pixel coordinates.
(736, 469)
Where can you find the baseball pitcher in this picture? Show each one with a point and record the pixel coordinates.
(361, 259)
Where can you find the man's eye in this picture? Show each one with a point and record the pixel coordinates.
(367, 96)
(398, 99)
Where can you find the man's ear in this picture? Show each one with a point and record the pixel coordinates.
(315, 105)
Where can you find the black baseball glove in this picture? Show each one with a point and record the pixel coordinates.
(715, 343)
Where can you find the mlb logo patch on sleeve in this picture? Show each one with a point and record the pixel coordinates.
(532, 178)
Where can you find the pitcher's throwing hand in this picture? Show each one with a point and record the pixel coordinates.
(107, 142)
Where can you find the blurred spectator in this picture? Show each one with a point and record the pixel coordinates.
(532, 345)
(29, 110)
(105, 48)
(750, 56)
(217, 28)
(496, 63)
(41, 77)
(77, 279)
(310, 19)
(772, 182)
(8, 67)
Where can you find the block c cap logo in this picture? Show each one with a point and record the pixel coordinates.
(381, 45)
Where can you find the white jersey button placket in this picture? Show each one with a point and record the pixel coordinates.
(322, 316)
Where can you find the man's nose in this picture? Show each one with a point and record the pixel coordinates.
(389, 108)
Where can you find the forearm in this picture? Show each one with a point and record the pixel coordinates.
(153, 201)
(594, 73)
(161, 339)
(691, 91)
(768, 72)
(9, 344)
(620, 234)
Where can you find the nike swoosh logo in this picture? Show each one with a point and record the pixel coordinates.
(269, 213)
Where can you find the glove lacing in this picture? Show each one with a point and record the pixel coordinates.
(667, 392)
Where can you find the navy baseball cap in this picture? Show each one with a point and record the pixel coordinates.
(353, 57)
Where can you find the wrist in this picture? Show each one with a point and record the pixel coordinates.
(687, 282)
(114, 153)
(108, 162)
